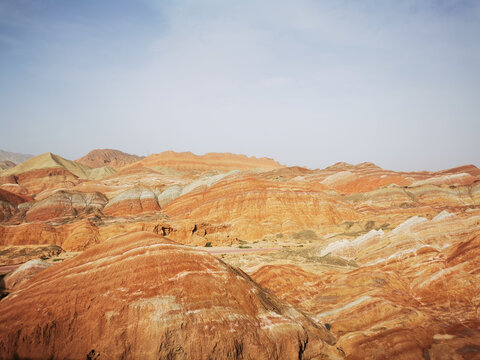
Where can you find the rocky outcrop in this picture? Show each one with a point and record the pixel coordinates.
(254, 207)
(13, 198)
(49, 171)
(108, 157)
(12, 255)
(386, 261)
(8, 204)
(36, 181)
(24, 273)
(414, 294)
(64, 203)
(133, 201)
(75, 236)
(143, 296)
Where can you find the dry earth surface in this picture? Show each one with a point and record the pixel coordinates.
(182, 256)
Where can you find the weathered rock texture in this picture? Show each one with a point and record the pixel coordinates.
(108, 157)
(65, 203)
(415, 295)
(188, 161)
(253, 207)
(14, 255)
(133, 201)
(204, 202)
(389, 260)
(144, 297)
(9, 203)
(48, 171)
(24, 273)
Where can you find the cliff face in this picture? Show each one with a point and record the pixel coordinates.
(143, 296)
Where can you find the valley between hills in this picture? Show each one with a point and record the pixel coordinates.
(224, 256)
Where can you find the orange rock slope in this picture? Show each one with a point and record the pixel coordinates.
(416, 293)
(188, 161)
(387, 261)
(254, 207)
(229, 205)
(108, 157)
(48, 171)
(143, 296)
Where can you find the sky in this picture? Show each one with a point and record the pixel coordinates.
(308, 83)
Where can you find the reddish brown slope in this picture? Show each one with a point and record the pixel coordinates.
(108, 157)
(188, 161)
(145, 297)
(9, 202)
(417, 294)
(254, 206)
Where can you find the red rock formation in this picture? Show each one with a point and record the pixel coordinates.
(7, 210)
(123, 180)
(50, 171)
(415, 295)
(142, 296)
(108, 157)
(9, 202)
(36, 181)
(24, 273)
(14, 255)
(255, 207)
(468, 169)
(13, 198)
(76, 236)
(65, 203)
(133, 201)
(188, 161)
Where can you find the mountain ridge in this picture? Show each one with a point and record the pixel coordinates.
(14, 157)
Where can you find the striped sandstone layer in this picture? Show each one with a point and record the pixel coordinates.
(108, 157)
(416, 293)
(187, 161)
(143, 296)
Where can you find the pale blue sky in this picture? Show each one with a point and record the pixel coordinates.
(308, 83)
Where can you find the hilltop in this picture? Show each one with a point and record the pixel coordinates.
(187, 161)
(14, 157)
(49, 161)
(180, 245)
(108, 157)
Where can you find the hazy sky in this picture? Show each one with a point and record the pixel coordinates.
(308, 83)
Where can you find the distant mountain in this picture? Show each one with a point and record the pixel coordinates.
(6, 164)
(108, 157)
(48, 172)
(14, 157)
(51, 161)
(187, 161)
